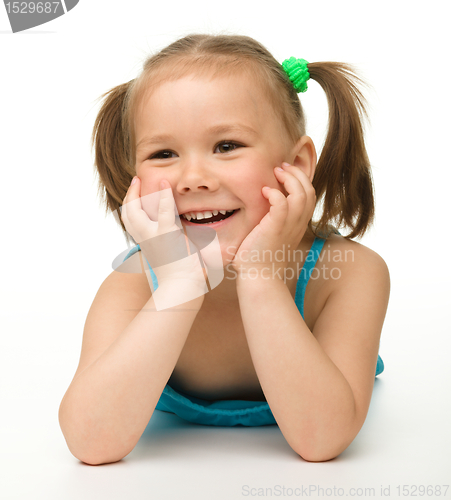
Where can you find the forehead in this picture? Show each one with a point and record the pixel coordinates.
(211, 99)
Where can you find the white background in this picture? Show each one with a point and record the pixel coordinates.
(57, 245)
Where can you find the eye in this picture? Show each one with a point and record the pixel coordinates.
(227, 147)
(162, 155)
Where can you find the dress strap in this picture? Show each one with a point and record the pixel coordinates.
(306, 272)
(152, 274)
(132, 252)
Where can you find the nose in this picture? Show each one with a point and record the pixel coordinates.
(196, 174)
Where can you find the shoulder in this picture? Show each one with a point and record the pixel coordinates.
(358, 290)
(356, 285)
(347, 260)
(129, 281)
(122, 291)
(124, 279)
(118, 300)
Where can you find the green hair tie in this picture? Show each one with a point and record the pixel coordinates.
(297, 72)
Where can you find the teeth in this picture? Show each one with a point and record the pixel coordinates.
(204, 215)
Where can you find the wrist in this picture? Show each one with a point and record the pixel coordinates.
(185, 270)
(259, 281)
(262, 274)
(179, 294)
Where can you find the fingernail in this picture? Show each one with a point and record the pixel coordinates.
(285, 164)
(162, 185)
(280, 169)
(133, 180)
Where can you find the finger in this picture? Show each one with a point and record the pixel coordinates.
(300, 176)
(166, 208)
(132, 201)
(123, 210)
(301, 199)
(278, 210)
(133, 190)
(300, 191)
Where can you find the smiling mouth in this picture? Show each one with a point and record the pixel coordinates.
(215, 218)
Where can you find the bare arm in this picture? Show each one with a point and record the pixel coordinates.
(112, 397)
(318, 384)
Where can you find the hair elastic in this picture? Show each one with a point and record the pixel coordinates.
(297, 72)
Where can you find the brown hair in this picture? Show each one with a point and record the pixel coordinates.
(343, 172)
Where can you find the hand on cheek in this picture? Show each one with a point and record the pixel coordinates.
(291, 209)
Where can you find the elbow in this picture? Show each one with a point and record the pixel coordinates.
(321, 450)
(95, 455)
(317, 456)
(321, 444)
(90, 451)
(93, 459)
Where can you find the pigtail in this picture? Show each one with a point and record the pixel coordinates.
(343, 173)
(111, 142)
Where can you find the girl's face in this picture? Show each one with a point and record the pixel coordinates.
(216, 142)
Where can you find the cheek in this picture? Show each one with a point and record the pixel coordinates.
(251, 185)
(150, 178)
(257, 205)
(263, 170)
(149, 184)
(258, 173)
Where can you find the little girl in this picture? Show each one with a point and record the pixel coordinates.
(210, 140)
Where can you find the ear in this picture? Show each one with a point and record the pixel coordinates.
(303, 156)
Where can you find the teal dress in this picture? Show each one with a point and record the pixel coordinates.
(236, 412)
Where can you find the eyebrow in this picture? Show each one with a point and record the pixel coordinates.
(215, 130)
(225, 128)
(156, 139)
